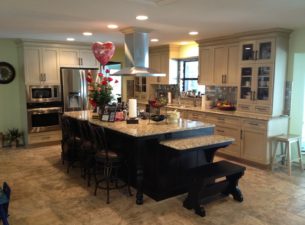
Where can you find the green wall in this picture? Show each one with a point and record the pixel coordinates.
(11, 104)
(296, 74)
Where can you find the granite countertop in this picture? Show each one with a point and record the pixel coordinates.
(226, 113)
(195, 142)
(144, 128)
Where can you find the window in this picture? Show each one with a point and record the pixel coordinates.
(188, 69)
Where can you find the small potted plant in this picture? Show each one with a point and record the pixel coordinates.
(13, 136)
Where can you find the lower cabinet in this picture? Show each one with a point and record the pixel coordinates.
(234, 132)
(255, 143)
(251, 135)
(44, 137)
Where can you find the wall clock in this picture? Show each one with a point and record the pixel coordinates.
(7, 73)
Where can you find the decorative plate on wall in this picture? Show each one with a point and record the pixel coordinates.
(7, 73)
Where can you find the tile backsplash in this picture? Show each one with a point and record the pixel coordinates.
(215, 93)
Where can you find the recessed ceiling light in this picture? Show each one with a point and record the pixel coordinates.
(112, 26)
(142, 17)
(154, 40)
(70, 39)
(184, 42)
(193, 32)
(87, 33)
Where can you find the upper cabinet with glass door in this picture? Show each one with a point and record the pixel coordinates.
(262, 50)
(263, 66)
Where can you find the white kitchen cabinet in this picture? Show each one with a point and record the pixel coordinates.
(227, 126)
(218, 64)
(256, 88)
(74, 57)
(255, 141)
(140, 88)
(41, 65)
(206, 55)
(225, 65)
(260, 50)
(162, 59)
(263, 66)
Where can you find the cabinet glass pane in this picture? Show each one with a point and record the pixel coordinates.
(263, 81)
(245, 82)
(264, 50)
(247, 52)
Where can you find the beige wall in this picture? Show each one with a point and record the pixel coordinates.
(296, 74)
(190, 50)
(11, 103)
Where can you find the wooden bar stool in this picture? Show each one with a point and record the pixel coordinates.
(285, 155)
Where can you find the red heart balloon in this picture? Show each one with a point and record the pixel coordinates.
(103, 51)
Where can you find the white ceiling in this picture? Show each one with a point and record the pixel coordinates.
(170, 20)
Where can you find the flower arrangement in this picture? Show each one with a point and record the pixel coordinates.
(100, 90)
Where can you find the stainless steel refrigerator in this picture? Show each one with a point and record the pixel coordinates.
(75, 88)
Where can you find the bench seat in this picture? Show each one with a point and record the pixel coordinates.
(203, 141)
(204, 185)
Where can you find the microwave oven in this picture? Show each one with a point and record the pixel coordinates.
(44, 93)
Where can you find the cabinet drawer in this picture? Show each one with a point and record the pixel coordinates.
(262, 109)
(244, 107)
(229, 132)
(44, 137)
(234, 148)
(195, 116)
(223, 120)
(255, 124)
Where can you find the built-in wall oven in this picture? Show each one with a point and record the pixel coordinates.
(44, 108)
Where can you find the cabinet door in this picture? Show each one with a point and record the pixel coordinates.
(232, 76)
(254, 146)
(87, 59)
(155, 63)
(233, 132)
(69, 57)
(248, 51)
(265, 49)
(32, 67)
(206, 66)
(263, 84)
(246, 84)
(164, 67)
(50, 65)
(220, 64)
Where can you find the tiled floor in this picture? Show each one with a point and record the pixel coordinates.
(43, 193)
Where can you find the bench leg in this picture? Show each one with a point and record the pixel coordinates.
(233, 189)
(192, 201)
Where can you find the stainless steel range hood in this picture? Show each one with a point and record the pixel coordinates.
(136, 54)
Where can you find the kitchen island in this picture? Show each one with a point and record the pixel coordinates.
(158, 171)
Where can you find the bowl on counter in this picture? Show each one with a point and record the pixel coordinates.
(157, 118)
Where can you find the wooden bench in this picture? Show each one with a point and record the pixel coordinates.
(204, 185)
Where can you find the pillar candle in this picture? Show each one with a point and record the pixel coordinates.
(132, 108)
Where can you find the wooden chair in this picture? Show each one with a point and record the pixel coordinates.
(108, 162)
(5, 195)
(70, 141)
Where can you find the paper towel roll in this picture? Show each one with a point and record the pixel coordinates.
(169, 97)
(203, 98)
(132, 108)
